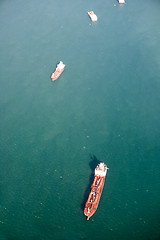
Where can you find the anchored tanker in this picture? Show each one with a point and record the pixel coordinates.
(96, 190)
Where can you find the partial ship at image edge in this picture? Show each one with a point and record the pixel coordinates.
(96, 190)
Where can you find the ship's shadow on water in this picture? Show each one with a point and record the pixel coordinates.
(93, 163)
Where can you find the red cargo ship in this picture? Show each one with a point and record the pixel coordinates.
(59, 69)
(96, 190)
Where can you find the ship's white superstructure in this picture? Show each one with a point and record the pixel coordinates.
(61, 65)
(101, 170)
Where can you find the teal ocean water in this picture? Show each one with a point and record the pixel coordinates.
(105, 107)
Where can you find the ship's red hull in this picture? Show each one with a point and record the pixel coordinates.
(57, 74)
(94, 196)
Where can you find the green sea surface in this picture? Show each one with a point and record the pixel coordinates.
(104, 107)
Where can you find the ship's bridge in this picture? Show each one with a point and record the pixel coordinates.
(100, 173)
(101, 170)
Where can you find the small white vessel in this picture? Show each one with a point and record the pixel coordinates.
(121, 1)
(92, 16)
